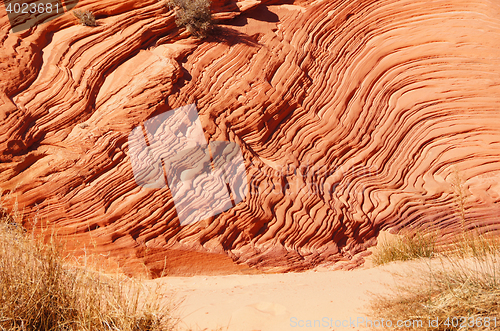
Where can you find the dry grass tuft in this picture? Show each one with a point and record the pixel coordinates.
(40, 291)
(85, 18)
(426, 245)
(194, 15)
(405, 248)
(460, 287)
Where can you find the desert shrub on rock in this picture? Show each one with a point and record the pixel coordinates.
(85, 18)
(194, 15)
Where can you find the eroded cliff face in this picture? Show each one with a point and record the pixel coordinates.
(351, 116)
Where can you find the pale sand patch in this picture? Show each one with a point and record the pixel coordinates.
(278, 302)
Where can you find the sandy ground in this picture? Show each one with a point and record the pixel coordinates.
(278, 301)
(311, 300)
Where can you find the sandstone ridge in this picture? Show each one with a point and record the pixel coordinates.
(351, 116)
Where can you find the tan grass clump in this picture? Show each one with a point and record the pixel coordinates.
(405, 248)
(460, 288)
(85, 18)
(39, 291)
(194, 15)
(426, 245)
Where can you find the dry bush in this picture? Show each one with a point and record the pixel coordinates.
(425, 245)
(85, 18)
(460, 195)
(194, 15)
(459, 290)
(405, 248)
(40, 292)
(470, 244)
(462, 284)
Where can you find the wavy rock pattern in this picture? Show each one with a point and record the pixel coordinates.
(352, 117)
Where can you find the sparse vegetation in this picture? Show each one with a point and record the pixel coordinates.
(425, 245)
(463, 281)
(405, 248)
(39, 291)
(460, 192)
(194, 15)
(85, 18)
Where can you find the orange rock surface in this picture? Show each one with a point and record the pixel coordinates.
(352, 117)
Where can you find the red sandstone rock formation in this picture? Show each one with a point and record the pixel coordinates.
(352, 116)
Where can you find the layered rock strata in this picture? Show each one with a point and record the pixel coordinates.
(351, 117)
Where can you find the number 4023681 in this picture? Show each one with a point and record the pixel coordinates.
(25, 8)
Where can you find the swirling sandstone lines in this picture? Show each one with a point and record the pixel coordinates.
(352, 116)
